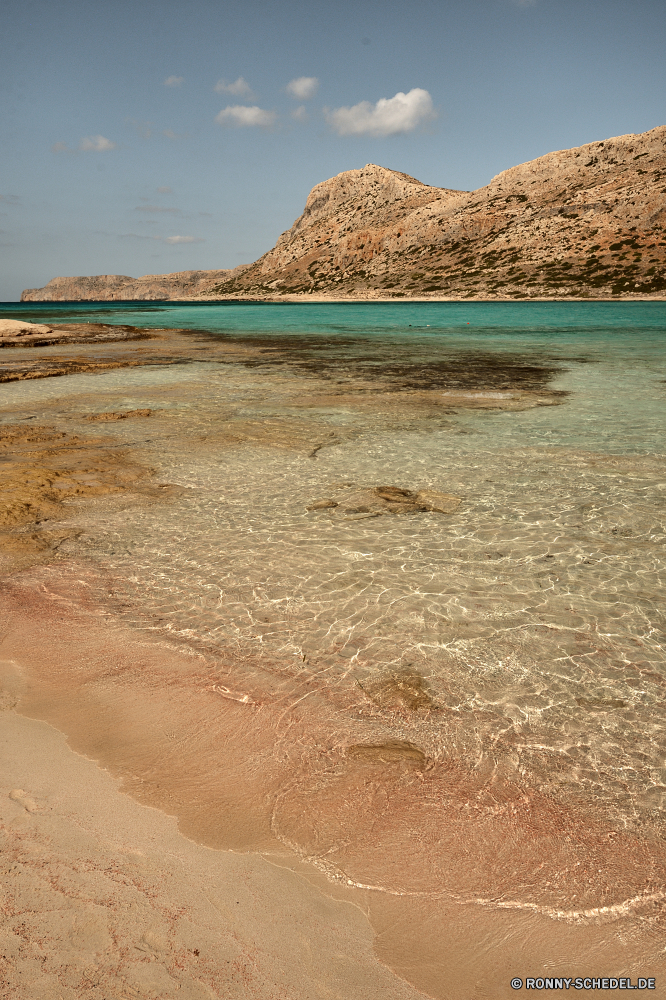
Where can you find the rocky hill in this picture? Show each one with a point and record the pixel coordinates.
(109, 287)
(587, 222)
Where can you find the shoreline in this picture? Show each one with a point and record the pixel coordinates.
(104, 893)
(306, 297)
(153, 717)
(104, 898)
(255, 760)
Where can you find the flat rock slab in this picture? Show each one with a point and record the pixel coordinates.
(18, 333)
(19, 328)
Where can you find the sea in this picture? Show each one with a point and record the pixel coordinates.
(500, 664)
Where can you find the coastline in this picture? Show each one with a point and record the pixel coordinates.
(586, 222)
(314, 297)
(168, 718)
(109, 851)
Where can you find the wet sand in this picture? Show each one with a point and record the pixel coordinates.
(104, 898)
(464, 883)
(370, 864)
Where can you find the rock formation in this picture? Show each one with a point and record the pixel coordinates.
(13, 328)
(587, 222)
(16, 333)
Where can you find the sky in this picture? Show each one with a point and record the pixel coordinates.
(150, 137)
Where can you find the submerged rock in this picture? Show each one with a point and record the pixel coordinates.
(372, 501)
(391, 752)
(322, 504)
(399, 690)
(438, 503)
(393, 493)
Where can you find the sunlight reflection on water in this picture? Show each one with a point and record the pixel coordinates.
(529, 622)
(533, 612)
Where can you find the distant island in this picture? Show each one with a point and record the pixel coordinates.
(588, 222)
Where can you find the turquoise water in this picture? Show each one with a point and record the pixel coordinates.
(330, 317)
(558, 326)
(610, 356)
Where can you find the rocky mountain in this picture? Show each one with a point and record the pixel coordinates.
(588, 222)
(109, 287)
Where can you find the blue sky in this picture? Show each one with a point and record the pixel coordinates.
(146, 137)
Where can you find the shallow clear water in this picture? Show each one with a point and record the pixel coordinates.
(612, 356)
(531, 620)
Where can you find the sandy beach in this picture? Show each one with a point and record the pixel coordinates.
(105, 898)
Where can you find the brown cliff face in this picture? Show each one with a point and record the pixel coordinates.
(588, 222)
(110, 287)
(585, 222)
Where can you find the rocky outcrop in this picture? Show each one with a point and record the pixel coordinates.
(587, 222)
(14, 328)
(112, 287)
(15, 333)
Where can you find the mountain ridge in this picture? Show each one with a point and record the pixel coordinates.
(585, 222)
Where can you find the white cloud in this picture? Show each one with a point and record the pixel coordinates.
(172, 240)
(156, 208)
(300, 114)
(164, 190)
(388, 116)
(303, 87)
(145, 129)
(240, 88)
(242, 115)
(174, 81)
(90, 144)
(96, 144)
